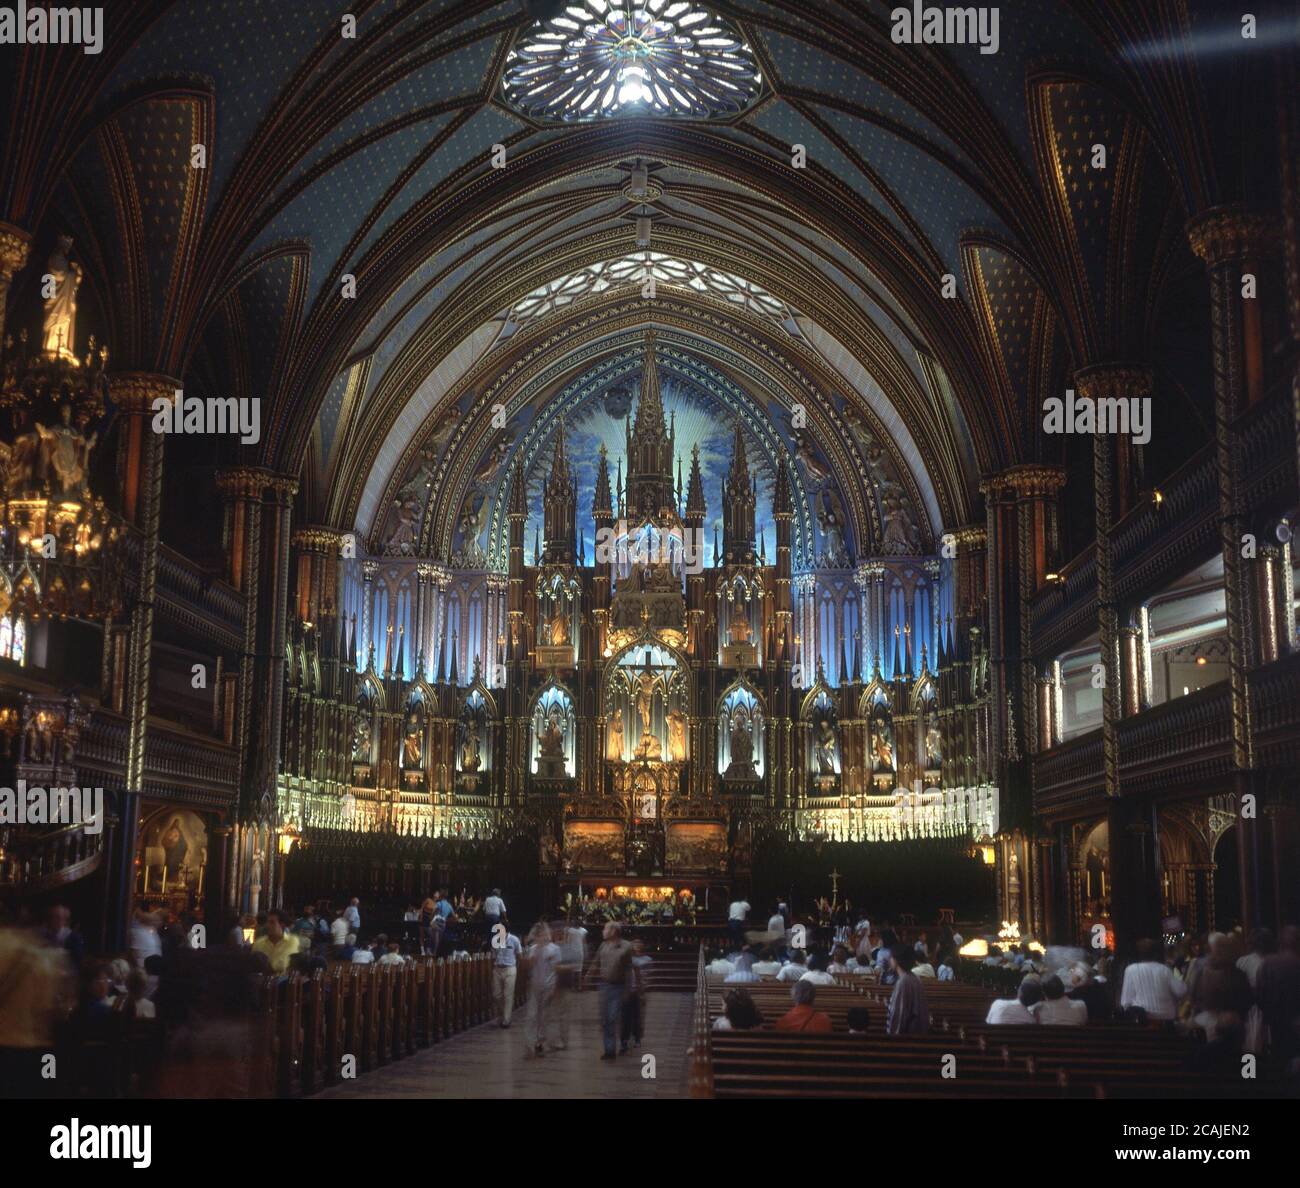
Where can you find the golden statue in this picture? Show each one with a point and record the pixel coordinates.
(61, 306)
(676, 736)
(470, 758)
(645, 691)
(66, 453)
(738, 629)
(550, 743)
(559, 628)
(614, 742)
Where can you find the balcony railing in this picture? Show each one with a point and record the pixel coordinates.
(1187, 742)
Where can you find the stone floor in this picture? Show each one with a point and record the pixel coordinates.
(489, 1061)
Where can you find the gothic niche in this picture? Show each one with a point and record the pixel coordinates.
(740, 735)
(554, 734)
(646, 707)
(928, 738)
(363, 736)
(413, 735)
(740, 617)
(880, 741)
(473, 730)
(821, 741)
(557, 620)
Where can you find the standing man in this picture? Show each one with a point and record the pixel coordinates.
(494, 907)
(776, 932)
(443, 912)
(506, 951)
(736, 917)
(613, 965)
(908, 1012)
(353, 915)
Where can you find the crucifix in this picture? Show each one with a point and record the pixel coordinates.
(835, 887)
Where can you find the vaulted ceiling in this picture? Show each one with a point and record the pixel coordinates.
(393, 157)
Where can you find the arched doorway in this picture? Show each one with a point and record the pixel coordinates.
(1227, 887)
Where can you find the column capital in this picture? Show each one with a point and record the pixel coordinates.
(241, 482)
(1226, 233)
(134, 392)
(14, 246)
(317, 539)
(1028, 481)
(971, 536)
(1113, 381)
(283, 487)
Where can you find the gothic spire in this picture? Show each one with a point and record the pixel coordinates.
(604, 499)
(695, 486)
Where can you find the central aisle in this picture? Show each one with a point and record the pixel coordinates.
(488, 1061)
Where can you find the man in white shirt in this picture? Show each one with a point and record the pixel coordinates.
(506, 951)
(339, 930)
(794, 969)
(352, 913)
(1004, 1011)
(361, 955)
(494, 907)
(1056, 1010)
(767, 966)
(736, 917)
(1151, 986)
(720, 967)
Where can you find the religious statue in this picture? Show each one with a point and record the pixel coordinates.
(825, 747)
(411, 740)
(645, 691)
(830, 520)
(614, 743)
(882, 745)
(66, 454)
(559, 625)
(676, 736)
(473, 519)
(470, 758)
(361, 738)
(40, 739)
(61, 305)
(550, 743)
(932, 745)
(805, 453)
(402, 538)
(742, 745)
(738, 628)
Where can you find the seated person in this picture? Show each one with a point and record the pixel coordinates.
(767, 966)
(948, 968)
(393, 956)
(743, 971)
(719, 966)
(818, 973)
(802, 1016)
(1057, 1010)
(349, 947)
(923, 968)
(1017, 1010)
(361, 954)
(859, 1019)
(794, 968)
(739, 1013)
(839, 960)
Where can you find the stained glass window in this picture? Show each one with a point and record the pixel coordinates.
(18, 653)
(602, 58)
(6, 636)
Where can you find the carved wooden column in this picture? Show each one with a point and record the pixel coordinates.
(1130, 873)
(142, 456)
(1233, 242)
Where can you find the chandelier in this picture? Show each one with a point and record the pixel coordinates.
(54, 532)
